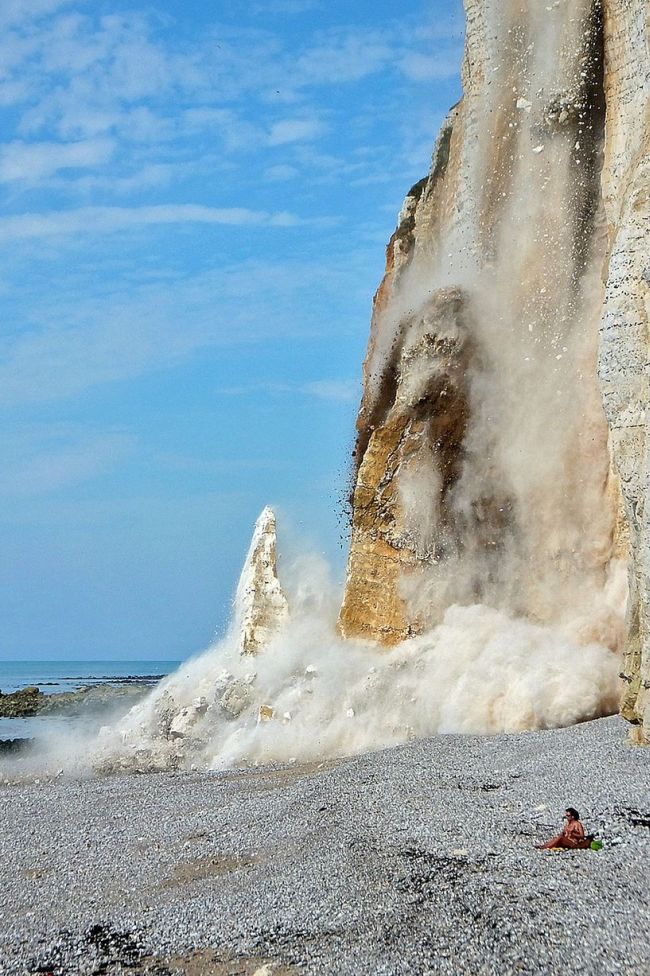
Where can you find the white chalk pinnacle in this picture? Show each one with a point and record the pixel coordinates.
(261, 607)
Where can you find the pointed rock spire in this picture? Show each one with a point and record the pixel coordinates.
(260, 604)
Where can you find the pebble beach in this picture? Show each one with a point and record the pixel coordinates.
(414, 860)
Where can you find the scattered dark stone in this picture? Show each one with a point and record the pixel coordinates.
(362, 845)
(105, 949)
(117, 946)
(111, 952)
(421, 875)
(636, 817)
(478, 787)
(284, 943)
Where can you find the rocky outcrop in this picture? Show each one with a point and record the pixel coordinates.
(261, 606)
(625, 329)
(22, 703)
(30, 701)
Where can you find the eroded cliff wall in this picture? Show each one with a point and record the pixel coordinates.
(625, 335)
(484, 471)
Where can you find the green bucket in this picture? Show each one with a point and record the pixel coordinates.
(596, 845)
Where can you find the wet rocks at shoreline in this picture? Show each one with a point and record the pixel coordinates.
(31, 701)
(13, 746)
(23, 703)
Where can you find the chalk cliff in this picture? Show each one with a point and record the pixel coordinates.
(514, 305)
(625, 335)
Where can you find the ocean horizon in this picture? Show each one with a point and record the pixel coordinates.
(57, 676)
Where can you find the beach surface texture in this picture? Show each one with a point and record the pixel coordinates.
(418, 859)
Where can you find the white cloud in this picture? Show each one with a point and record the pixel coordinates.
(444, 29)
(344, 56)
(71, 343)
(72, 115)
(41, 461)
(32, 162)
(82, 73)
(295, 130)
(343, 391)
(133, 102)
(429, 67)
(12, 92)
(339, 391)
(107, 220)
(150, 176)
(281, 172)
(217, 466)
(20, 12)
(291, 7)
(80, 77)
(236, 133)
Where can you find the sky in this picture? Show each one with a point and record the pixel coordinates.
(196, 198)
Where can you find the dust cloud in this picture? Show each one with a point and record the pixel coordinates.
(310, 696)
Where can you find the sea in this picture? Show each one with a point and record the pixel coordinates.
(57, 676)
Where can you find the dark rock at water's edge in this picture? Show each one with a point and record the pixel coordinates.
(93, 698)
(30, 701)
(12, 746)
(23, 703)
(124, 679)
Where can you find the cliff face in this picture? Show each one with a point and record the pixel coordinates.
(484, 455)
(625, 335)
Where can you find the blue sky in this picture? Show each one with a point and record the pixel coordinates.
(196, 199)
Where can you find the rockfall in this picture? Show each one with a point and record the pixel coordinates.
(501, 438)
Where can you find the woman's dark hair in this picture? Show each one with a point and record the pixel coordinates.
(574, 813)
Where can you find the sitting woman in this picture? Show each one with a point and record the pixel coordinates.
(572, 837)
